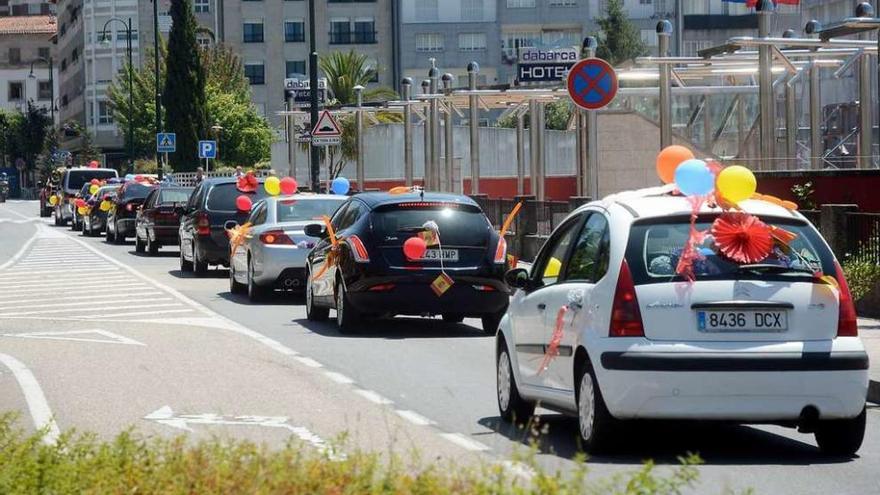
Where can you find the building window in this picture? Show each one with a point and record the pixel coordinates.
(512, 41)
(472, 10)
(15, 55)
(63, 64)
(426, 10)
(645, 2)
(562, 38)
(16, 91)
(202, 6)
(429, 42)
(295, 31)
(203, 40)
(74, 56)
(123, 35)
(44, 90)
(340, 31)
(253, 31)
(43, 52)
(365, 31)
(294, 68)
(563, 3)
(520, 4)
(105, 113)
(255, 72)
(469, 42)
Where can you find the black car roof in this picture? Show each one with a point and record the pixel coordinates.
(375, 199)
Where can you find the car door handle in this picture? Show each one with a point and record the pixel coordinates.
(542, 306)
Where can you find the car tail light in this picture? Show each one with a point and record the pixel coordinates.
(484, 288)
(129, 207)
(382, 287)
(626, 318)
(203, 224)
(847, 320)
(276, 238)
(501, 251)
(358, 250)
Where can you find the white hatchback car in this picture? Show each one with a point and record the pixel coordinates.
(602, 328)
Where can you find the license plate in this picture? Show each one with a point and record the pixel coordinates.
(742, 321)
(437, 254)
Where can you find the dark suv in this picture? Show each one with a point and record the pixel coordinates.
(204, 219)
(121, 218)
(369, 274)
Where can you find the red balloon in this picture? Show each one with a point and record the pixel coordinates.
(288, 185)
(93, 164)
(95, 182)
(243, 203)
(414, 248)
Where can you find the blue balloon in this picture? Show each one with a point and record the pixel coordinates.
(694, 178)
(340, 186)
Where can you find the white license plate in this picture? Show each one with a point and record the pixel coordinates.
(435, 255)
(742, 321)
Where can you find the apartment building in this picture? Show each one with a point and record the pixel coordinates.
(25, 52)
(26, 7)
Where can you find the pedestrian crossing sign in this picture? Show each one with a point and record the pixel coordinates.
(166, 142)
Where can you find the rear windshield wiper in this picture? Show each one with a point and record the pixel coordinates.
(770, 268)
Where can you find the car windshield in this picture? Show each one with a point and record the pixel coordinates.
(458, 224)
(655, 248)
(295, 210)
(107, 191)
(134, 190)
(168, 196)
(222, 196)
(77, 178)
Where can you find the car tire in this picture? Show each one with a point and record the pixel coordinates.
(453, 317)
(255, 291)
(109, 236)
(594, 421)
(199, 267)
(117, 237)
(235, 286)
(185, 266)
(152, 246)
(56, 217)
(347, 317)
(139, 245)
(511, 405)
(491, 322)
(314, 313)
(841, 437)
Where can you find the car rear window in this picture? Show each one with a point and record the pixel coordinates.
(134, 190)
(222, 196)
(655, 246)
(461, 225)
(167, 196)
(295, 210)
(76, 178)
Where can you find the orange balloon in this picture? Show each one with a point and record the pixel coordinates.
(669, 159)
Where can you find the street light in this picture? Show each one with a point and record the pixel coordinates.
(51, 84)
(218, 131)
(105, 40)
(156, 68)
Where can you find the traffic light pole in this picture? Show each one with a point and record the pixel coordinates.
(315, 160)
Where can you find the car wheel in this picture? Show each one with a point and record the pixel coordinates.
(118, 238)
(108, 234)
(185, 266)
(347, 317)
(152, 246)
(314, 313)
(139, 245)
(512, 407)
(235, 286)
(56, 217)
(491, 322)
(841, 437)
(255, 292)
(199, 266)
(594, 420)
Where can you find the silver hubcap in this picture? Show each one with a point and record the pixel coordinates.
(340, 297)
(586, 410)
(504, 381)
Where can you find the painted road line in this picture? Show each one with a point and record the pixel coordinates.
(92, 295)
(138, 313)
(414, 417)
(76, 304)
(25, 313)
(41, 414)
(464, 442)
(338, 377)
(373, 396)
(15, 257)
(26, 217)
(41, 287)
(108, 337)
(307, 361)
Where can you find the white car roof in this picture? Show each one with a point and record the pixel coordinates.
(306, 196)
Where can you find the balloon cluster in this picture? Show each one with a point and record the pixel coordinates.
(695, 177)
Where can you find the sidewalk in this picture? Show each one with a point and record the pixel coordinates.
(869, 331)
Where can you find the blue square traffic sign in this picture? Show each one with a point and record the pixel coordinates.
(207, 149)
(166, 142)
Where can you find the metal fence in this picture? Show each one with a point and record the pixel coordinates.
(550, 214)
(813, 216)
(863, 236)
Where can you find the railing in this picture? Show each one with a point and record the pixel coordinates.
(863, 237)
(550, 214)
(188, 179)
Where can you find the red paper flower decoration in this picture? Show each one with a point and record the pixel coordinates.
(247, 183)
(742, 237)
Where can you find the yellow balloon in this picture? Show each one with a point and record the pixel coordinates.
(53, 200)
(82, 210)
(105, 205)
(273, 186)
(553, 267)
(736, 183)
(94, 189)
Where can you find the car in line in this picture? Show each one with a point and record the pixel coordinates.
(368, 274)
(157, 222)
(46, 191)
(210, 211)
(95, 221)
(604, 329)
(76, 221)
(71, 183)
(121, 217)
(273, 253)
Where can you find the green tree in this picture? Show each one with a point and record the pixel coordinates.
(184, 96)
(246, 136)
(50, 158)
(10, 128)
(143, 100)
(556, 117)
(619, 38)
(345, 70)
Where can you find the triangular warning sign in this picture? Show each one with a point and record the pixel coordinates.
(326, 126)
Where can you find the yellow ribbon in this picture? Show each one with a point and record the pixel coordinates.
(237, 236)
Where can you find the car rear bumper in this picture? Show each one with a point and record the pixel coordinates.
(125, 226)
(419, 299)
(281, 265)
(211, 252)
(166, 234)
(757, 383)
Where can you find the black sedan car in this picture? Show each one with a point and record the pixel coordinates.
(158, 220)
(366, 272)
(120, 220)
(205, 218)
(96, 221)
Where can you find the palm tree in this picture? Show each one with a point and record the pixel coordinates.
(345, 70)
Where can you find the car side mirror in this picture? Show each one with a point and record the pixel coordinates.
(315, 230)
(518, 278)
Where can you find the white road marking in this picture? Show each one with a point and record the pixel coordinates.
(24, 313)
(464, 442)
(20, 252)
(139, 313)
(75, 304)
(109, 337)
(414, 417)
(373, 396)
(53, 290)
(26, 217)
(307, 361)
(33, 395)
(12, 273)
(97, 295)
(338, 377)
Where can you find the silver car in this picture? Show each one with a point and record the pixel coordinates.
(272, 254)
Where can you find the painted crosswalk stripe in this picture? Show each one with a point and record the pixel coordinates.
(139, 313)
(25, 313)
(92, 295)
(43, 286)
(54, 305)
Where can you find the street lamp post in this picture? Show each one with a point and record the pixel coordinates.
(313, 84)
(218, 132)
(51, 85)
(106, 39)
(158, 103)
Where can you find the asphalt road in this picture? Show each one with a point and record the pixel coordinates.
(211, 356)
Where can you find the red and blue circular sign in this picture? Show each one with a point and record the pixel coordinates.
(592, 83)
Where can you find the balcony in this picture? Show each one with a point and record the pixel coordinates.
(353, 38)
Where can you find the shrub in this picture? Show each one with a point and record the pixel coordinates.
(861, 276)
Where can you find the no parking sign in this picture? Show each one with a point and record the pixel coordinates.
(592, 83)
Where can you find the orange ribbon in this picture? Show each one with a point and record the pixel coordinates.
(237, 236)
(334, 248)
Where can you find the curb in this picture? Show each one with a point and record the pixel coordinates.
(874, 391)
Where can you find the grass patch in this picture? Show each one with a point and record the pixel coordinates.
(861, 276)
(81, 463)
